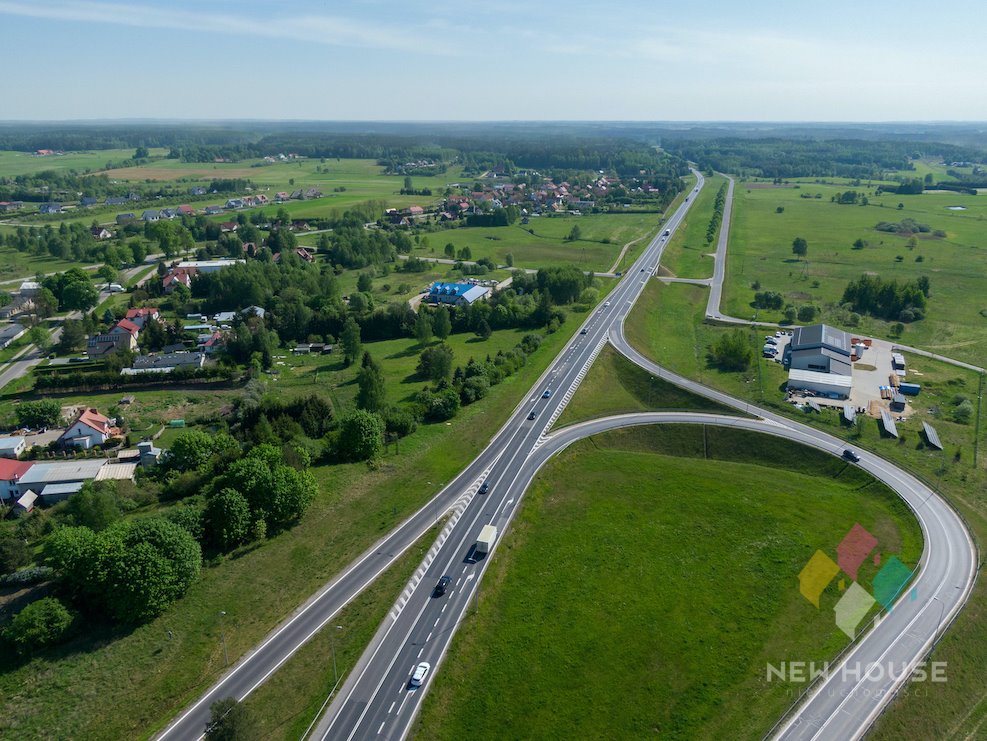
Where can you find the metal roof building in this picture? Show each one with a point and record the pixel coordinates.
(833, 385)
(44, 474)
(456, 293)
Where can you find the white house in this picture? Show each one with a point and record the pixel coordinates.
(89, 429)
(12, 447)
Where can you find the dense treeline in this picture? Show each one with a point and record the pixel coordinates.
(888, 299)
(714, 222)
(789, 158)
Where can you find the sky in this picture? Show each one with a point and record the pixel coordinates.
(649, 60)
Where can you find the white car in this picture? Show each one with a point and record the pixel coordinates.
(606, 303)
(418, 677)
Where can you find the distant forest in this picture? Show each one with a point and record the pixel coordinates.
(627, 148)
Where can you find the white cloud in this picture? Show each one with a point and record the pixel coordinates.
(317, 29)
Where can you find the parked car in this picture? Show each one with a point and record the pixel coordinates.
(421, 671)
(769, 340)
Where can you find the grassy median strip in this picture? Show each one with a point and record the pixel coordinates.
(285, 705)
(643, 594)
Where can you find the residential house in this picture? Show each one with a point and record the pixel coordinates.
(212, 343)
(150, 215)
(178, 276)
(13, 446)
(126, 326)
(125, 219)
(313, 193)
(50, 208)
(213, 210)
(10, 473)
(228, 226)
(88, 201)
(29, 288)
(253, 311)
(100, 345)
(185, 210)
(7, 206)
(261, 199)
(168, 213)
(416, 211)
(197, 190)
(100, 232)
(115, 200)
(297, 195)
(234, 203)
(305, 254)
(250, 249)
(281, 196)
(139, 316)
(89, 429)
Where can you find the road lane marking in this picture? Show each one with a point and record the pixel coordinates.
(420, 652)
(429, 637)
(391, 709)
(381, 728)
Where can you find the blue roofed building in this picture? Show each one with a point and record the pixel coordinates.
(456, 294)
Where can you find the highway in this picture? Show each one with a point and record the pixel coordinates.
(376, 701)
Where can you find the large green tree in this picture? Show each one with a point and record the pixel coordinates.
(423, 327)
(227, 519)
(372, 395)
(42, 623)
(441, 323)
(361, 436)
(40, 413)
(350, 339)
(435, 363)
(800, 247)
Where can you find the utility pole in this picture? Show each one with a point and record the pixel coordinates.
(332, 644)
(222, 633)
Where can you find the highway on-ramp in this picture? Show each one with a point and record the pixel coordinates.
(376, 700)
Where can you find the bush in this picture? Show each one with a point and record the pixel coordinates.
(361, 436)
(227, 519)
(963, 412)
(14, 553)
(41, 624)
(732, 352)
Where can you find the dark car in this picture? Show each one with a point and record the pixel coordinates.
(440, 588)
(851, 456)
(546, 393)
(583, 330)
(532, 415)
(484, 487)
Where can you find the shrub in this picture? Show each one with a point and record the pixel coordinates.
(41, 624)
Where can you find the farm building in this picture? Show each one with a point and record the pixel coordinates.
(12, 447)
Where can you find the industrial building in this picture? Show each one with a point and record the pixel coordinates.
(456, 294)
(819, 348)
(833, 385)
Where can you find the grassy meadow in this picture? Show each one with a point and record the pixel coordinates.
(644, 587)
(760, 251)
(687, 253)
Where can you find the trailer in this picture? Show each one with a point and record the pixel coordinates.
(486, 540)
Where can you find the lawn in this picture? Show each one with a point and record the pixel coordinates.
(761, 252)
(16, 266)
(644, 588)
(614, 385)
(118, 684)
(954, 708)
(687, 253)
(285, 705)
(547, 245)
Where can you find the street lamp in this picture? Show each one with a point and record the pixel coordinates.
(332, 643)
(222, 633)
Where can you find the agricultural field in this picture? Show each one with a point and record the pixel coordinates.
(13, 164)
(645, 585)
(543, 241)
(761, 253)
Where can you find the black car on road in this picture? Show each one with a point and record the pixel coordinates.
(441, 586)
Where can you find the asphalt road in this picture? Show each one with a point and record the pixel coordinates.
(497, 464)
(376, 700)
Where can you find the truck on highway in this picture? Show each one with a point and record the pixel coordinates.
(486, 540)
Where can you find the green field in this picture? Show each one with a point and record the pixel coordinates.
(614, 385)
(13, 164)
(644, 587)
(760, 251)
(687, 253)
(548, 245)
(956, 708)
(119, 684)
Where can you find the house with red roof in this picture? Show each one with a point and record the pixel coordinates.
(89, 429)
(141, 315)
(178, 276)
(10, 472)
(185, 210)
